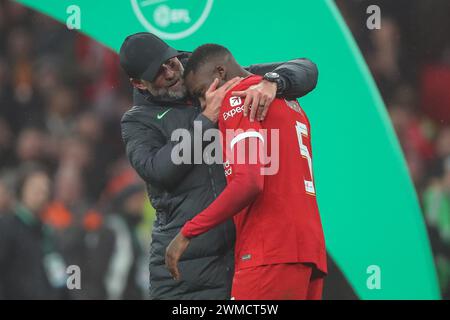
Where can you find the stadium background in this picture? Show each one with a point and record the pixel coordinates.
(62, 95)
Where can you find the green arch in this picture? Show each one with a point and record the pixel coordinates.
(369, 207)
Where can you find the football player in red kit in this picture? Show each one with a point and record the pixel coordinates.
(280, 248)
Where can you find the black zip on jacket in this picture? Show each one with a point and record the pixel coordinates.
(180, 191)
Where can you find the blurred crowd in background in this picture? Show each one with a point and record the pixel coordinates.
(63, 168)
(409, 58)
(61, 99)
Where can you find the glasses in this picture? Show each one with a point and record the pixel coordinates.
(170, 64)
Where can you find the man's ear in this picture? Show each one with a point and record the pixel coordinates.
(221, 72)
(138, 84)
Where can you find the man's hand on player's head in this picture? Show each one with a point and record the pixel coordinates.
(259, 97)
(174, 251)
(214, 97)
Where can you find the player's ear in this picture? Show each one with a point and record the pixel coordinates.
(137, 83)
(220, 72)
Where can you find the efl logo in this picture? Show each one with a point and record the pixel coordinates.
(232, 112)
(172, 19)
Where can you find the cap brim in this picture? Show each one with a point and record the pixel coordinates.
(152, 70)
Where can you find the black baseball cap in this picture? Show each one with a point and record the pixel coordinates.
(142, 54)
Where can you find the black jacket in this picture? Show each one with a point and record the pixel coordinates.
(26, 248)
(179, 192)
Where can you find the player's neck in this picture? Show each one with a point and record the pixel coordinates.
(237, 71)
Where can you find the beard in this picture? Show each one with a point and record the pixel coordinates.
(167, 94)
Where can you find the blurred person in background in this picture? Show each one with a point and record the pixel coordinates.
(20, 54)
(32, 145)
(7, 198)
(25, 105)
(68, 203)
(48, 70)
(74, 152)
(50, 37)
(89, 127)
(384, 59)
(127, 270)
(83, 238)
(30, 264)
(417, 149)
(98, 71)
(61, 109)
(443, 145)
(6, 144)
(96, 251)
(5, 90)
(434, 86)
(437, 214)
(91, 130)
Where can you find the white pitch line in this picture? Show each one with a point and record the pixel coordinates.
(147, 3)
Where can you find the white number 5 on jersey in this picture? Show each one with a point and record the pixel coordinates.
(302, 130)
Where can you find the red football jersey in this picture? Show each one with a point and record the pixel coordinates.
(283, 224)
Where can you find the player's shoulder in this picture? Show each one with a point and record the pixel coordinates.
(294, 105)
(231, 101)
(247, 82)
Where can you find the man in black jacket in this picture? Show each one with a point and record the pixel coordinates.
(30, 265)
(179, 191)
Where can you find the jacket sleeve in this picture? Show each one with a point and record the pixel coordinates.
(151, 155)
(298, 76)
(245, 187)
(246, 180)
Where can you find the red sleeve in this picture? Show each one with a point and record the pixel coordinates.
(246, 182)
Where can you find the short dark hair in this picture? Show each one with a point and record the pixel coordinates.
(202, 54)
